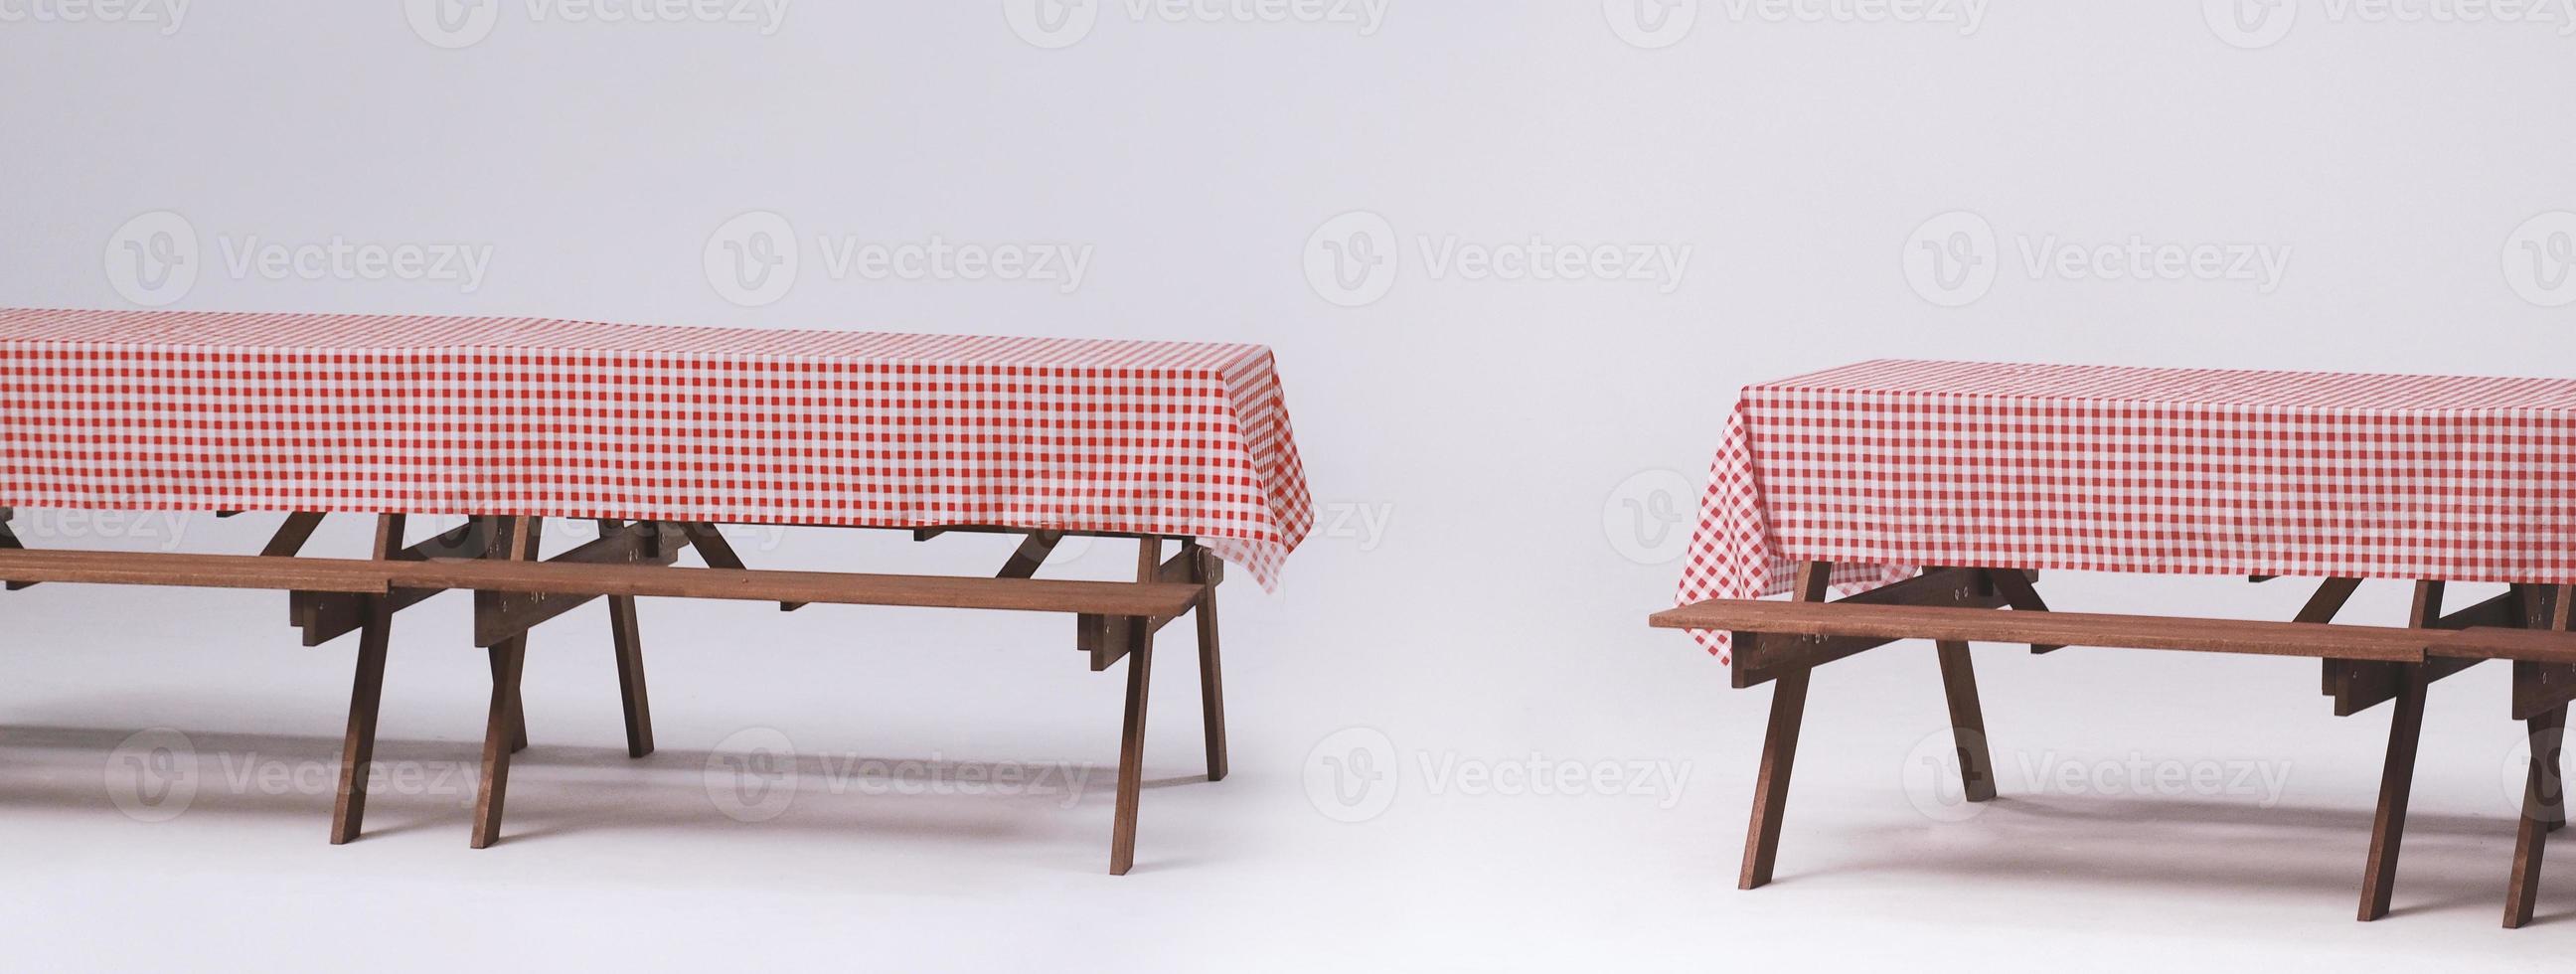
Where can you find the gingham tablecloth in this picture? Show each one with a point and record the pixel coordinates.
(521, 416)
(1889, 464)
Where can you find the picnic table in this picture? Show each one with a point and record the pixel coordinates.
(1933, 493)
(658, 434)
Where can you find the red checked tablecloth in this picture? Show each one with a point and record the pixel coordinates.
(1889, 464)
(519, 416)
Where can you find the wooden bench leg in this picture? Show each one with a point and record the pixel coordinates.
(2396, 782)
(2543, 810)
(1131, 750)
(630, 675)
(358, 747)
(502, 727)
(1780, 747)
(518, 716)
(1211, 677)
(1967, 722)
(1771, 784)
(505, 541)
(495, 783)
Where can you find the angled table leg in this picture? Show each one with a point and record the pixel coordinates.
(501, 723)
(358, 747)
(630, 675)
(2396, 783)
(2543, 810)
(1967, 721)
(1779, 749)
(1131, 734)
(499, 660)
(1131, 748)
(1204, 570)
(505, 534)
(628, 637)
(2397, 773)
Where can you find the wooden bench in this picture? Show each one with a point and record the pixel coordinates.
(1782, 641)
(2058, 628)
(496, 559)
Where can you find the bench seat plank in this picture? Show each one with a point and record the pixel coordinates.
(2525, 645)
(769, 585)
(193, 571)
(1149, 599)
(2050, 628)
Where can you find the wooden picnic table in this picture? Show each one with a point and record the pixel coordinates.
(1933, 493)
(659, 435)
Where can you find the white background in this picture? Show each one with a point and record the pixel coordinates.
(1482, 450)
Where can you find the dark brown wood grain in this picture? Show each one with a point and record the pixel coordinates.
(1779, 746)
(1207, 571)
(1848, 618)
(366, 693)
(1131, 752)
(503, 730)
(2543, 811)
(2396, 784)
